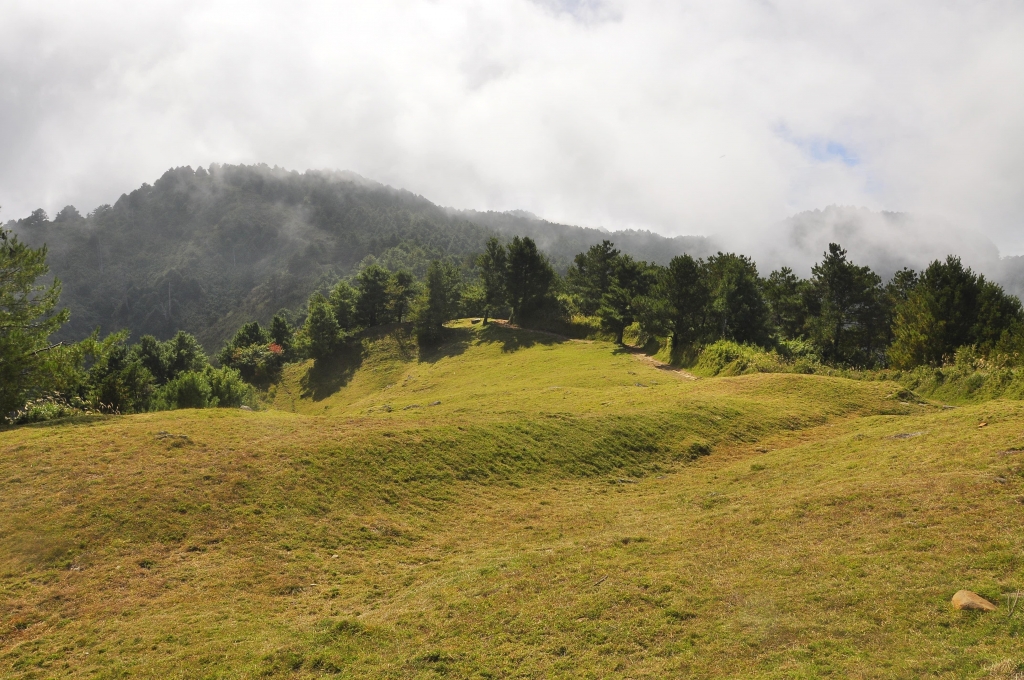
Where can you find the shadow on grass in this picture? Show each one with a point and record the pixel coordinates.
(331, 374)
(452, 343)
(328, 375)
(513, 338)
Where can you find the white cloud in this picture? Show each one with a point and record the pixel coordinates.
(715, 117)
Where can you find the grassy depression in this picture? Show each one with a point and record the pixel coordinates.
(515, 505)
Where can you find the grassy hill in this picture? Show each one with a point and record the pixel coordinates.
(516, 505)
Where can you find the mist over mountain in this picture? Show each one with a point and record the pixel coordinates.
(885, 241)
(206, 250)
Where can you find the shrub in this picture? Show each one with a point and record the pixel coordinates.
(50, 407)
(190, 389)
(730, 358)
(256, 363)
(228, 390)
(969, 377)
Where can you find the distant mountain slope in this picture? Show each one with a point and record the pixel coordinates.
(205, 250)
(561, 242)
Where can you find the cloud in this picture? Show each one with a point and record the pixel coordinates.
(884, 241)
(683, 117)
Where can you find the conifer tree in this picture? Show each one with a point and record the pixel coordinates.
(688, 298)
(28, 316)
(591, 275)
(321, 328)
(372, 305)
(528, 279)
(441, 301)
(848, 319)
(493, 265)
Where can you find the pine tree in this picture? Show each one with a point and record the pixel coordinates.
(401, 290)
(688, 299)
(783, 292)
(737, 307)
(592, 275)
(372, 305)
(321, 328)
(441, 302)
(528, 278)
(28, 317)
(493, 265)
(631, 282)
(343, 303)
(848, 325)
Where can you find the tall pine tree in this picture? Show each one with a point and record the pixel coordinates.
(28, 316)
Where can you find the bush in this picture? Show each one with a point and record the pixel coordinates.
(801, 354)
(726, 357)
(969, 377)
(190, 389)
(50, 407)
(122, 388)
(213, 387)
(228, 390)
(256, 363)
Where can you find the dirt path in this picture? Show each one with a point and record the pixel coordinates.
(647, 359)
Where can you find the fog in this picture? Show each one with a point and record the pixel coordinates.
(718, 118)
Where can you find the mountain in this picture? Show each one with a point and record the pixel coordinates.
(206, 250)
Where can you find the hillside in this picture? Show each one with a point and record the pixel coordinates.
(208, 250)
(515, 505)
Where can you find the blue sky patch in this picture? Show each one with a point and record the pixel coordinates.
(820, 149)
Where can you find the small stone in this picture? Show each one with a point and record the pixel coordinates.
(965, 599)
(434, 403)
(245, 408)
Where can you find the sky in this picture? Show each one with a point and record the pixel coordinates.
(718, 118)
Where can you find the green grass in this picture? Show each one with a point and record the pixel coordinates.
(553, 515)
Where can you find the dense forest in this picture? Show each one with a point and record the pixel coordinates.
(205, 250)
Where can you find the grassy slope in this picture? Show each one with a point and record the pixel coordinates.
(543, 519)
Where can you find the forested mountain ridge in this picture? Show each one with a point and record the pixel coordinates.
(205, 250)
(562, 242)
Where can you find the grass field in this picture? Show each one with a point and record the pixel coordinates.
(516, 505)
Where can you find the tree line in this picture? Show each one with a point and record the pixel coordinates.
(844, 312)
